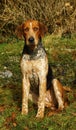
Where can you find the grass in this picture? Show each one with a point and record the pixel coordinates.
(62, 58)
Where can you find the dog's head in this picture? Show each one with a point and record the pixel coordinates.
(32, 31)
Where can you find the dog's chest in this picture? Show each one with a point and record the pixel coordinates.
(34, 67)
(34, 81)
(30, 70)
(33, 76)
(34, 70)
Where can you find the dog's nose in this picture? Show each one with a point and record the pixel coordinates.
(31, 39)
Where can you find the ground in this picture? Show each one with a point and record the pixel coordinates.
(62, 58)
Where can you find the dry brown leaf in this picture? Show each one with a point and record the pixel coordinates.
(14, 124)
(2, 108)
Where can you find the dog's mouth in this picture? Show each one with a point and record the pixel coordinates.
(32, 46)
(31, 43)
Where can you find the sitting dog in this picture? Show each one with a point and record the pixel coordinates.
(38, 83)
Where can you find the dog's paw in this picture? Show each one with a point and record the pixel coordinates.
(40, 115)
(24, 112)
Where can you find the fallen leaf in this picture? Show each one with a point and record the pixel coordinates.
(2, 108)
(26, 128)
(13, 116)
(74, 114)
(14, 124)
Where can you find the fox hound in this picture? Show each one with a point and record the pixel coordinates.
(38, 83)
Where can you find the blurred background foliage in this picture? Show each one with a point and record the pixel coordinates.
(58, 15)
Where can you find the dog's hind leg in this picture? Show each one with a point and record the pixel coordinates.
(59, 93)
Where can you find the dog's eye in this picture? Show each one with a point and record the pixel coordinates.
(35, 28)
(26, 29)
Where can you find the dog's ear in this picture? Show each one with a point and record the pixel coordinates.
(43, 29)
(19, 31)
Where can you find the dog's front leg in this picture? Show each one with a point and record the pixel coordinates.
(41, 101)
(25, 94)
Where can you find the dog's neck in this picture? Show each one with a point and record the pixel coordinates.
(36, 53)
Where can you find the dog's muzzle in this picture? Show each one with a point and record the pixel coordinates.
(31, 40)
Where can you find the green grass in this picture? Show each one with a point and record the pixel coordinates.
(62, 58)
